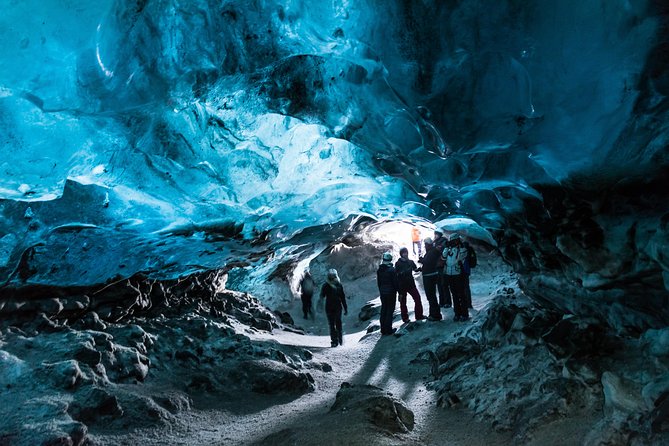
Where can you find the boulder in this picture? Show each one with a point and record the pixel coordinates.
(271, 377)
(65, 374)
(370, 310)
(380, 408)
(95, 404)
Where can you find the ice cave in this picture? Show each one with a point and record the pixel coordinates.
(180, 178)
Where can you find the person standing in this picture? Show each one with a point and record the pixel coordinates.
(415, 241)
(405, 269)
(469, 263)
(335, 301)
(306, 293)
(453, 257)
(444, 296)
(430, 277)
(386, 279)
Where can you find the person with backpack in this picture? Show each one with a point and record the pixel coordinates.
(335, 300)
(469, 263)
(454, 256)
(306, 293)
(405, 269)
(430, 277)
(386, 279)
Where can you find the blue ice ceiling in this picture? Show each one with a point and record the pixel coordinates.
(126, 124)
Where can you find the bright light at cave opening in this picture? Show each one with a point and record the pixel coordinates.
(398, 234)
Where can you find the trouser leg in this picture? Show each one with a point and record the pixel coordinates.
(444, 292)
(459, 304)
(332, 323)
(306, 305)
(387, 310)
(402, 297)
(430, 285)
(338, 328)
(418, 305)
(468, 291)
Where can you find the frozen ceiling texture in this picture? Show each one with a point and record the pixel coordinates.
(166, 136)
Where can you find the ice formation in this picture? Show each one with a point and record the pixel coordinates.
(137, 135)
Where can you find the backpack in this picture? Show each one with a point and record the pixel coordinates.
(471, 257)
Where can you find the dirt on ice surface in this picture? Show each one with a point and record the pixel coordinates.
(392, 363)
(384, 362)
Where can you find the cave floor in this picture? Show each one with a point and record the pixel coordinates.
(392, 363)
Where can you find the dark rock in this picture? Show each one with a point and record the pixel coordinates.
(65, 374)
(97, 403)
(175, 402)
(91, 321)
(379, 407)
(373, 327)
(369, 311)
(185, 355)
(271, 377)
(324, 366)
(660, 414)
(285, 317)
(261, 324)
(202, 382)
(463, 348)
(88, 356)
(575, 336)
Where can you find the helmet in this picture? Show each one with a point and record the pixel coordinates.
(428, 241)
(332, 274)
(387, 257)
(453, 237)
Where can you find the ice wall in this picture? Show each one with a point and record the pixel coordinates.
(135, 133)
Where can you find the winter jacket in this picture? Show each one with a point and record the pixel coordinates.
(430, 261)
(386, 278)
(453, 258)
(405, 268)
(307, 285)
(335, 299)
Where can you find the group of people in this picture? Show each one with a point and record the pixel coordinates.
(445, 268)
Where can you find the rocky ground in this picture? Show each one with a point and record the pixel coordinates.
(182, 362)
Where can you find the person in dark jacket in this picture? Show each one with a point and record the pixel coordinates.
(430, 277)
(306, 293)
(333, 293)
(386, 278)
(405, 269)
(444, 295)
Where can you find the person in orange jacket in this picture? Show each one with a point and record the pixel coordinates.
(415, 240)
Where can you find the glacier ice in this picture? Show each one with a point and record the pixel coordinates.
(163, 136)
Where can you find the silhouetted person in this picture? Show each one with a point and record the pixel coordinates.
(430, 277)
(454, 256)
(444, 295)
(405, 269)
(386, 278)
(335, 301)
(306, 293)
